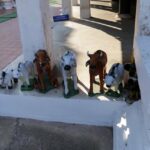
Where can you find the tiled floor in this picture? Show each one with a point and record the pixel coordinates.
(10, 44)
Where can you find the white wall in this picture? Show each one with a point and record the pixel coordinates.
(143, 69)
(143, 18)
(92, 112)
(142, 53)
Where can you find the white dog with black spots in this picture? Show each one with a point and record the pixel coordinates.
(115, 76)
(68, 67)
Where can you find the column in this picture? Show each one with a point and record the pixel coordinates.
(47, 21)
(124, 6)
(34, 25)
(115, 4)
(85, 11)
(74, 2)
(67, 7)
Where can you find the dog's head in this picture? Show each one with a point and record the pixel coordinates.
(97, 59)
(68, 60)
(42, 58)
(109, 80)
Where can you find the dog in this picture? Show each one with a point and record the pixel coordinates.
(44, 71)
(115, 76)
(26, 72)
(131, 84)
(68, 67)
(97, 66)
(9, 79)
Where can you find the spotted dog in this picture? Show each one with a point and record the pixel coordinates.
(115, 76)
(8, 79)
(68, 67)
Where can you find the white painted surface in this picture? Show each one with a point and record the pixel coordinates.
(85, 11)
(67, 7)
(47, 23)
(128, 128)
(142, 18)
(92, 112)
(142, 55)
(33, 27)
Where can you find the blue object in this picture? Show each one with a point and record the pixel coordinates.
(60, 18)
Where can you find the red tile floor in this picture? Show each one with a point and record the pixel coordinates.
(10, 43)
(4, 11)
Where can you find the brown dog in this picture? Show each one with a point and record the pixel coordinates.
(97, 66)
(43, 68)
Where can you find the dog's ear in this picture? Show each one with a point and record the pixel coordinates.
(19, 65)
(100, 53)
(88, 54)
(3, 74)
(87, 63)
(46, 55)
(36, 55)
(34, 60)
(127, 67)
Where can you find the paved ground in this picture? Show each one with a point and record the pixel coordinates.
(10, 44)
(104, 30)
(21, 134)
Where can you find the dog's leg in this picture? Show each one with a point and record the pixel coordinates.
(74, 76)
(116, 88)
(92, 78)
(9, 83)
(48, 71)
(105, 73)
(42, 85)
(27, 80)
(101, 77)
(65, 82)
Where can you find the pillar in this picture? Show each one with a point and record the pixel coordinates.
(115, 4)
(85, 11)
(141, 52)
(34, 23)
(74, 2)
(67, 7)
(124, 6)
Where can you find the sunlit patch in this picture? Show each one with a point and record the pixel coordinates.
(103, 98)
(126, 134)
(122, 123)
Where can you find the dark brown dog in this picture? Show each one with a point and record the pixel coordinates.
(43, 68)
(97, 66)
